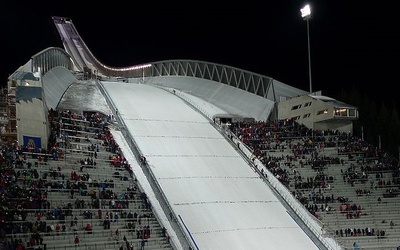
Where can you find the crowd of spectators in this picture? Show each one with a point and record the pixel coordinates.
(266, 138)
(27, 216)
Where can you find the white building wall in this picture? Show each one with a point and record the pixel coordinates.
(31, 120)
(285, 110)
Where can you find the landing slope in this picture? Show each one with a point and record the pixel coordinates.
(221, 200)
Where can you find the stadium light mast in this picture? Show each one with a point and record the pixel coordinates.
(306, 15)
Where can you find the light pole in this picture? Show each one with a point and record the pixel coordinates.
(306, 15)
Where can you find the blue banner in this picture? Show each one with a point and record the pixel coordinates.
(32, 142)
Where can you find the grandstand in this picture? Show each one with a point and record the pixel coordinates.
(202, 159)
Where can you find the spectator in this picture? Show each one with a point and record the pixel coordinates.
(117, 233)
(58, 228)
(142, 244)
(88, 228)
(99, 214)
(116, 217)
(77, 240)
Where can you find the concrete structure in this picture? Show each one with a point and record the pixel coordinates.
(319, 112)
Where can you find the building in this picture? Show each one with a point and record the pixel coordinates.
(319, 112)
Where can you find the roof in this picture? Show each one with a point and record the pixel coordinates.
(20, 75)
(331, 101)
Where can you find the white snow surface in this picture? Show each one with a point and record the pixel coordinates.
(220, 199)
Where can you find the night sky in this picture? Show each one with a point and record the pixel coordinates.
(353, 43)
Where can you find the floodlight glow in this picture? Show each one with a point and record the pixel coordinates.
(306, 11)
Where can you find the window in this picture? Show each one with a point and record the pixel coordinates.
(325, 111)
(352, 112)
(296, 118)
(306, 115)
(340, 112)
(296, 107)
(307, 104)
(345, 112)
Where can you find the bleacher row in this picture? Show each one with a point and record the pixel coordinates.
(79, 194)
(350, 186)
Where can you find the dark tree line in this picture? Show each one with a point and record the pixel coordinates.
(378, 121)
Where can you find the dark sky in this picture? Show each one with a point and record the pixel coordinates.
(353, 43)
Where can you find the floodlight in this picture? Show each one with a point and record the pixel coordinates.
(306, 12)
